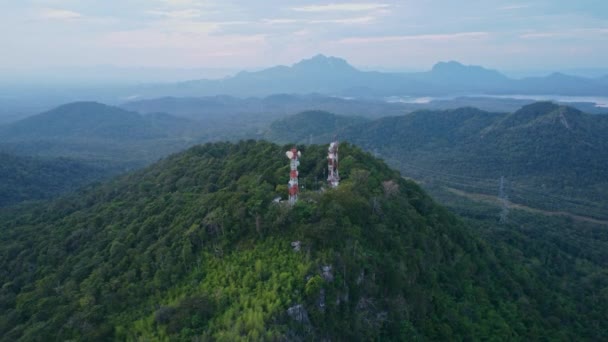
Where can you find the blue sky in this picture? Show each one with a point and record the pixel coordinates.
(248, 34)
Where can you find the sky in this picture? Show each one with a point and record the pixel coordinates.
(246, 34)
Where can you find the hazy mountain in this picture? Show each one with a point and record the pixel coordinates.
(334, 76)
(447, 76)
(194, 247)
(558, 83)
(304, 126)
(93, 131)
(92, 120)
(329, 76)
(220, 108)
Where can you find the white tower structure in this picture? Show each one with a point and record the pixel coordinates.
(294, 156)
(333, 178)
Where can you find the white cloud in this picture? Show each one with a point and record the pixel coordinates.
(281, 21)
(59, 14)
(514, 7)
(343, 21)
(540, 35)
(180, 3)
(423, 37)
(192, 44)
(346, 21)
(579, 33)
(188, 40)
(302, 33)
(342, 7)
(177, 14)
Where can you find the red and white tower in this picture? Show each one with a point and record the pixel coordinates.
(333, 178)
(294, 156)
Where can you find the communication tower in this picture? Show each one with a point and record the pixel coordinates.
(333, 177)
(294, 156)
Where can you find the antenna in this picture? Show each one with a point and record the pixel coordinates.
(294, 156)
(333, 178)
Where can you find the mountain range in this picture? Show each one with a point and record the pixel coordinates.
(202, 245)
(327, 76)
(544, 150)
(335, 76)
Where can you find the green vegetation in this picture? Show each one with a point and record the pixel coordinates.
(195, 247)
(320, 125)
(27, 179)
(553, 157)
(567, 257)
(99, 133)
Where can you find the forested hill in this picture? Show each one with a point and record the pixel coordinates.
(93, 121)
(94, 131)
(542, 149)
(195, 247)
(27, 178)
(321, 124)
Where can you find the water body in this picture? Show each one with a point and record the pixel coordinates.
(598, 101)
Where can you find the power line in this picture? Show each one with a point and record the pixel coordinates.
(491, 184)
(488, 186)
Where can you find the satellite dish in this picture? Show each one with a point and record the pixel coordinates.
(289, 154)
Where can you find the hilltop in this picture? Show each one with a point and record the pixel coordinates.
(543, 149)
(194, 247)
(93, 131)
(324, 125)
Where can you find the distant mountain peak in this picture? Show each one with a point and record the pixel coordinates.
(456, 72)
(540, 106)
(323, 62)
(544, 112)
(454, 66)
(559, 76)
(448, 65)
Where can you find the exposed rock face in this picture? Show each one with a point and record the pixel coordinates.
(327, 275)
(361, 277)
(298, 313)
(322, 300)
(296, 245)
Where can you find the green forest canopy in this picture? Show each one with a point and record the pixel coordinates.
(193, 246)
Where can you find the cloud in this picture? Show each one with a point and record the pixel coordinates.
(343, 7)
(59, 14)
(190, 44)
(578, 33)
(281, 21)
(190, 3)
(177, 14)
(540, 35)
(343, 21)
(346, 21)
(514, 7)
(422, 37)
